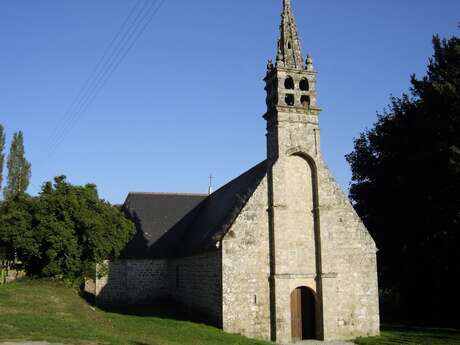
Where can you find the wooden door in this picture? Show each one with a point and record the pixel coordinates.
(296, 314)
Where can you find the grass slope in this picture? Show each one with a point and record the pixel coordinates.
(45, 310)
(50, 311)
(404, 336)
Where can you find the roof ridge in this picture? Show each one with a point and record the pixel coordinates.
(237, 177)
(168, 193)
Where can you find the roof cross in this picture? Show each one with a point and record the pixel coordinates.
(210, 184)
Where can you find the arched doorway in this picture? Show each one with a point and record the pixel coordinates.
(303, 314)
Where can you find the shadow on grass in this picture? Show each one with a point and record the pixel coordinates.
(88, 297)
(422, 330)
(410, 335)
(163, 309)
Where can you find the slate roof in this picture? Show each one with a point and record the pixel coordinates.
(175, 225)
(154, 214)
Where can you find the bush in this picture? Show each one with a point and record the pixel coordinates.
(65, 231)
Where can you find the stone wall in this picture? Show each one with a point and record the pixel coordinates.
(245, 269)
(10, 270)
(319, 242)
(132, 282)
(297, 230)
(9, 274)
(196, 282)
(295, 255)
(350, 291)
(344, 276)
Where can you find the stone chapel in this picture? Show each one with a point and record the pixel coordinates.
(278, 253)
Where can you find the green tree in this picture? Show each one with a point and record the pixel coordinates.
(76, 230)
(16, 231)
(19, 169)
(2, 155)
(65, 231)
(406, 187)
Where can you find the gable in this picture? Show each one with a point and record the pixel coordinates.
(218, 212)
(175, 225)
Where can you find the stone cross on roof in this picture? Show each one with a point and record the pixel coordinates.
(289, 49)
(210, 189)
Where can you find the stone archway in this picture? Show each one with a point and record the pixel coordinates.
(303, 314)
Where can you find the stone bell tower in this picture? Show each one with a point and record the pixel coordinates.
(293, 150)
(323, 281)
(291, 93)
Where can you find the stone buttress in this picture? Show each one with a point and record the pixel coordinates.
(304, 234)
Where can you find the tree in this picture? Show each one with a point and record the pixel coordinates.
(406, 187)
(16, 231)
(75, 230)
(19, 169)
(2, 155)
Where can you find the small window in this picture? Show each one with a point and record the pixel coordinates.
(289, 99)
(289, 45)
(289, 83)
(303, 85)
(305, 100)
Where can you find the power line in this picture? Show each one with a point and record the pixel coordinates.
(123, 47)
(112, 67)
(120, 46)
(94, 85)
(83, 89)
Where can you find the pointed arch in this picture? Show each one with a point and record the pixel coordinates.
(302, 153)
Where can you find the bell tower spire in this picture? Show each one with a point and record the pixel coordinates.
(292, 111)
(293, 155)
(289, 49)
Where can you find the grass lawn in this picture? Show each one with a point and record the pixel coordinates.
(43, 310)
(404, 336)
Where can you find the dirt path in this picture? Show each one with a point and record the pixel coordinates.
(316, 342)
(307, 342)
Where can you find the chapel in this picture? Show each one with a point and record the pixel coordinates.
(278, 253)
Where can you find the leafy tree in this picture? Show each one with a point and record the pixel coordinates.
(2, 155)
(2, 161)
(19, 169)
(65, 231)
(16, 226)
(406, 187)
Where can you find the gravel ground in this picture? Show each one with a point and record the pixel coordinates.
(316, 342)
(307, 342)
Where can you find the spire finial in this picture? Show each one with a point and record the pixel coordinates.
(309, 63)
(210, 190)
(289, 50)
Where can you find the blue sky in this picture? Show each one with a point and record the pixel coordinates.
(188, 99)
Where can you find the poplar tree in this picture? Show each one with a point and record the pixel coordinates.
(19, 169)
(2, 155)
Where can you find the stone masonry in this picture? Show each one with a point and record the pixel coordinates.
(132, 282)
(298, 229)
(196, 282)
(295, 262)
